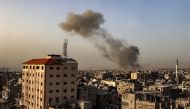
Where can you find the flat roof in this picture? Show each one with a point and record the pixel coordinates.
(50, 61)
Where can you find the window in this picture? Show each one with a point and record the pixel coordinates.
(37, 67)
(65, 90)
(64, 97)
(33, 67)
(73, 68)
(42, 67)
(72, 96)
(50, 91)
(65, 75)
(65, 68)
(65, 83)
(57, 99)
(23, 67)
(72, 89)
(40, 99)
(72, 82)
(51, 68)
(50, 83)
(57, 91)
(50, 99)
(41, 75)
(57, 83)
(73, 75)
(57, 75)
(58, 68)
(41, 84)
(51, 76)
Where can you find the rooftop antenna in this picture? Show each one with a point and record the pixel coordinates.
(65, 44)
(177, 65)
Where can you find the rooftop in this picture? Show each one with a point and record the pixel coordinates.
(51, 60)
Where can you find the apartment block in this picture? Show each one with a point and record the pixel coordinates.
(49, 82)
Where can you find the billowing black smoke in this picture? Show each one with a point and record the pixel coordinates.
(88, 24)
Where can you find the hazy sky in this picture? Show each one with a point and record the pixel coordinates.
(160, 28)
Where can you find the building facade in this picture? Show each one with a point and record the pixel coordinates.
(145, 105)
(126, 86)
(50, 81)
(128, 101)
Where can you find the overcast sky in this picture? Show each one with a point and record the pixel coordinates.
(160, 28)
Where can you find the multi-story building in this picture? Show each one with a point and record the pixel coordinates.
(127, 86)
(134, 75)
(128, 101)
(50, 81)
(146, 105)
(182, 103)
(108, 82)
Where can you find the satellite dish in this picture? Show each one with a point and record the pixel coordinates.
(166, 76)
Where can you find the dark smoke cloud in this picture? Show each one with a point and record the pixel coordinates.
(88, 24)
(83, 24)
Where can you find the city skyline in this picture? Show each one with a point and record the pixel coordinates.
(29, 29)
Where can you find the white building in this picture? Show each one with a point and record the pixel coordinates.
(50, 81)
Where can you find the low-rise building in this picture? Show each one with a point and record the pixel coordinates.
(109, 83)
(134, 75)
(183, 103)
(128, 101)
(146, 105)
(127, 86)
(84, 104)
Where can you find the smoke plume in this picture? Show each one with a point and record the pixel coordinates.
(88, 26)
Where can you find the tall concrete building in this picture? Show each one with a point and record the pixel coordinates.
(50, 81)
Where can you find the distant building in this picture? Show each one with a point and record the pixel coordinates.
(89, 93)
(84, 104)
(8, 89)
(127, 86)
(109, 83)
(100, 98)
(50, 81)
(146, 105)
(134, 75)
(183, 103)
(128, 101)
(164, 89)
(1, 81)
